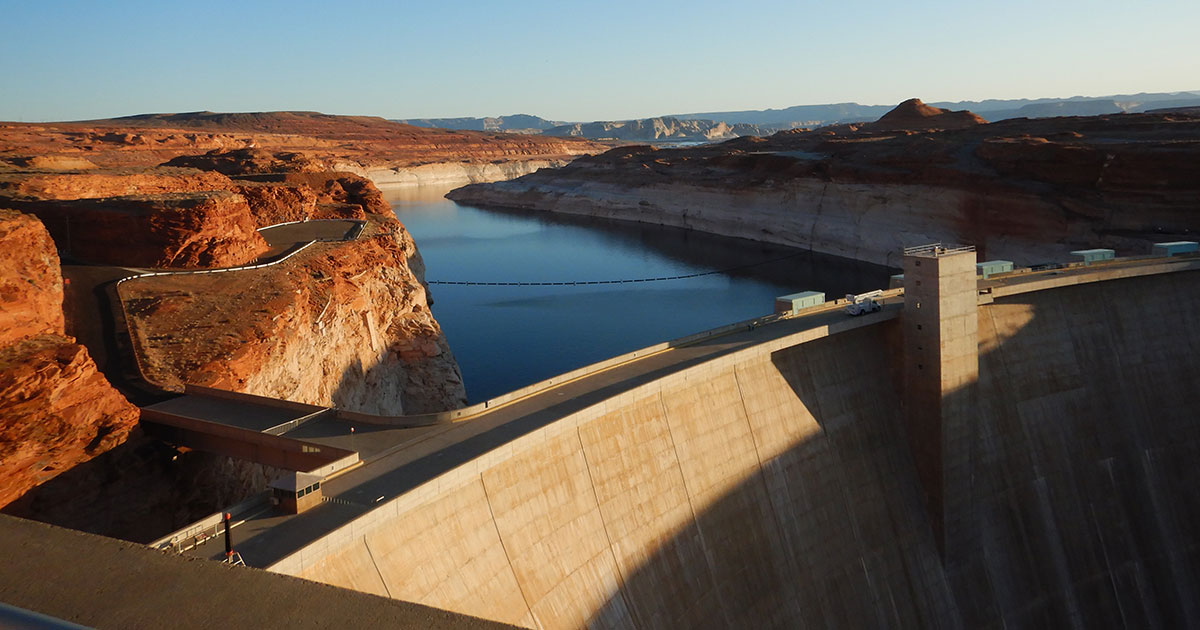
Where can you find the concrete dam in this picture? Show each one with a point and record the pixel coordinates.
(1040, 475)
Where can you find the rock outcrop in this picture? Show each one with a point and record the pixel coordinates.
(30, 281)
(343, 324)
(56, 409)
(181, 230)
(243, 161)
(917, 116)
(110, 183)
(290, 141)
(655, 129)
(1021, 190)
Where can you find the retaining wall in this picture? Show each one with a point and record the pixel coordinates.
(775, 488)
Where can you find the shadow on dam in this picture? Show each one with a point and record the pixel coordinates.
(1069, 492)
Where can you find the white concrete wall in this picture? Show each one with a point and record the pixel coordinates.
(746, 492)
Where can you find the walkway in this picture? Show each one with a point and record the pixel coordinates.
(400, 459)
(283, 237)
(397, 460)
(96, 319)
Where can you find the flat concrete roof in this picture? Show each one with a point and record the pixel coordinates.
(295, 481)
(236, 413)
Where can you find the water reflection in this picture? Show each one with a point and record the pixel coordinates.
(508, 337)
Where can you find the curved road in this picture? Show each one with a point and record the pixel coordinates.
(92, 317)
(399, 459)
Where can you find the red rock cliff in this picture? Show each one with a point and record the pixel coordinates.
(56, 409)
(1023, 190)
(341, 322)
(388, 153)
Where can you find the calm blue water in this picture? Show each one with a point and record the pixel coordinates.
(508, 337)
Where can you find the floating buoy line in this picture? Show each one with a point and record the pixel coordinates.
(572, 283)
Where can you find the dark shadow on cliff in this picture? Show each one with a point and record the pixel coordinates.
(1070, 493)
(407, 380)
(140, 490)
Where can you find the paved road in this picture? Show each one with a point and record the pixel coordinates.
(398, 460)
(282, 238)
(89, 318)
(91, 315)
(236, 413)
(1026, 281)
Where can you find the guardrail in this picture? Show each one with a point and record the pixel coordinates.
(465, 413)
(296, 249)
(196, 533)
(937, 249)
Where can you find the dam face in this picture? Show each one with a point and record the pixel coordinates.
(1071, 493)
(779, 489)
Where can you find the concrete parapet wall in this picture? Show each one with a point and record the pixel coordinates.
(774, 487)
(105, 583)
(471, 411)
(732, 494)
(263, 448)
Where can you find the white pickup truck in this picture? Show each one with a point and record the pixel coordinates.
(863, 303)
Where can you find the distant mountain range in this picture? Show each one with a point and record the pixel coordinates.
(661, 129)
(710, 126)
(992, 110)
(517, 123)
(665, 128)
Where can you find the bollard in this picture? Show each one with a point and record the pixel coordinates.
(228, 540)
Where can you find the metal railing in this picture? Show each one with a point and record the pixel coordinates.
(298, 247)
(937, 249)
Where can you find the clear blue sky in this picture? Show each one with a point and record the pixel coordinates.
(574, 60)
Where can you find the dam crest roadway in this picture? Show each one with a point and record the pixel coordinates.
(764, 473)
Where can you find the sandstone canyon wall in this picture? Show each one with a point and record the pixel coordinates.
(56, 409)
(1027, 191)
(343, 323)
(392, 154)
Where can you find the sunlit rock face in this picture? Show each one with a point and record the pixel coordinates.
(1023, 190)
(185, 230)
(343, 323)
(916, 115)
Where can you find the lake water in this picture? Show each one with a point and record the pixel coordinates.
(507, 337)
